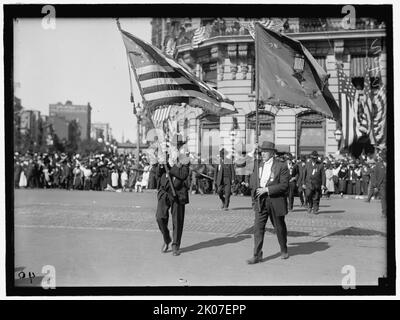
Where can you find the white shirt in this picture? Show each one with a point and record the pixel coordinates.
(266, 172)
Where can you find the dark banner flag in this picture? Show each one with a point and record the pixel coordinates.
(289, 75)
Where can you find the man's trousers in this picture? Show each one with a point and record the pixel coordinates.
(261, 218)
(178, 216)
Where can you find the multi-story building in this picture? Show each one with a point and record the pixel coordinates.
(69, 112)
(225, 59)
(30, 122)
(100, 130)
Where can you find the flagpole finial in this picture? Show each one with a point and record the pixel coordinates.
(118, 24)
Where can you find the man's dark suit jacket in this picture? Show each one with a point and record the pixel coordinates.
(219, 174)
(179, 177)
(278, 186)
(316, 180)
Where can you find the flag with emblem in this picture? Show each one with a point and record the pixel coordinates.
(348, 106)
(379, 118)
(162, 81)
(288, 75)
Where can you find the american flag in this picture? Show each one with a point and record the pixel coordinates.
(276, 25)
(162, 81)
(200, 35)
(348, 105)
(379, 119)
(170, 47)
(368, 109)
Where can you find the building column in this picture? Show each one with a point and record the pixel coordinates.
(331, 145)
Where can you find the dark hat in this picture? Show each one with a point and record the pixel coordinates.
(266, 146)
(314, 154)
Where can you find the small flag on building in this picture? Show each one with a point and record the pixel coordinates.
(379, 118)
(200, 35)
(274, 25)
(347, 103)
(368, 109)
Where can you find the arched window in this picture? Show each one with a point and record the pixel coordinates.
(311, 133)
(267, 127)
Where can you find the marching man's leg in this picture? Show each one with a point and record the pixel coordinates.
(162, 221)
(259, 230)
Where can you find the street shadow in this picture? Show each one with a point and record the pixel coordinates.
(218, 241)
(250, 231)
(243, 208)
(331, 211)
(354, 231)
(289, 233)
(301, 248)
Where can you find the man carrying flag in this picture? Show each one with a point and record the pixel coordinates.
(162, 82)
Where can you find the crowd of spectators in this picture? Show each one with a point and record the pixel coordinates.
(98, 172)
(345, 176)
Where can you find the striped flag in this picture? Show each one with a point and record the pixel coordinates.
(276, 25)
(347, 103)
(160, 115)
(367, 108)
(170, 47)
(162, 81)
(200, 35)
(379, 119)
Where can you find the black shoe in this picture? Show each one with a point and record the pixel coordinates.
(284, 255)
(175, 251)
(226, 209)
(315, 212)
(255, 259)
(165, 247)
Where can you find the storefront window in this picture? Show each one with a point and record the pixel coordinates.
(310, 133)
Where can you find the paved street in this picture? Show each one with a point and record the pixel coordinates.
(112, 239)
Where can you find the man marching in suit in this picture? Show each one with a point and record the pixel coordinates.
(178, 174)
(269, 199)
(224, 177)
(294, 174)
(314, 180)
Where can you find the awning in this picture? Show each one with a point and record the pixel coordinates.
(357, 66)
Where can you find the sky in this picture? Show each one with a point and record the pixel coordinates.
(81, 60)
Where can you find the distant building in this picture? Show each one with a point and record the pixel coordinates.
(70, 112)
(60, 127)
(30, 124)
(101, 130)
